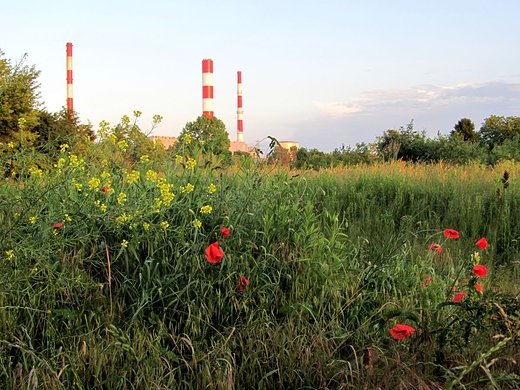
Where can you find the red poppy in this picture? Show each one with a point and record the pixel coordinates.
(57, 225)
(482, 243)
(243, 283)
(105, 189)
(225, 231)
(435, 247)
(459, 297)
(478, 287)
(214, 254)
(480, 270)
(450, 233)
(401, 331)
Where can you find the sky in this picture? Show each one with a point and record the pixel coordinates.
(322, 73)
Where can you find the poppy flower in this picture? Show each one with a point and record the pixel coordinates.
(105, 190)
(213, 253)
(459, 297)
(478, 287)
(480, 270)
(482, 243)
(450, 233)
(243, 283)
(401, 331)
(57, 225)
(435, 247)
(225, 231)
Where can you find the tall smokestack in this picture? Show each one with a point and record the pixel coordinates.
(240, 124)
(207, 87)
(70, 105)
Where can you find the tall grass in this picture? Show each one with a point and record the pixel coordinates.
(121, 296)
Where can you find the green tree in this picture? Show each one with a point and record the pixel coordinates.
(404, 144)
(465, 129)
(496, 129)
(19, 99)
(207, 135)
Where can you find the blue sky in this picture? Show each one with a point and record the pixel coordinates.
(323, 73)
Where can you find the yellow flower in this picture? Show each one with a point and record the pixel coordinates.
(9, 254)
(131, 178)
(178, 159)
(187, 188)
(94, 183)
(35, 171)
(187, 139)
(10, 145)
(191, 163)
(103, 207)
(124, 244)
(212, 188)
(197, 223)
(32, 220)
(123, 145)
(146, 226)
(145, 158)
(206, 209)
(121, 198)
(151, 175)
(67, 218)
(78, 186)
(105, 175)
(64, 147)
(165, 224)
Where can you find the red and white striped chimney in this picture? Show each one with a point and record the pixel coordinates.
(70, 105)
(207, 87)
(240, 111)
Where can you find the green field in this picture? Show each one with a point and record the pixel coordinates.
(105, 283)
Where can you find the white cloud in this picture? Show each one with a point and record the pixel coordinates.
(421, 97)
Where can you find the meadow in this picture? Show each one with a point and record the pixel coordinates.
(181, 274)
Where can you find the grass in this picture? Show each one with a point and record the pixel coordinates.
(121, 295)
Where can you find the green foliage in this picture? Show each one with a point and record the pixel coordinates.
(406, 144)
(120, 294)
(465, 129)
(496, 130)
(19, 99)
(205, 135)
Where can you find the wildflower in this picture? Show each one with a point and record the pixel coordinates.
(146, 226)
(10, 254)
(67, 218)
(32, 220)
(479, 288)
(178, 159)
(435, 247)
(243, 283)
(10, 145)
(57, 225)
(187, 139)
(63, 147)
(450, 233)
(105, 190)
(131, 178)
(94, 183)
(212, 188)
(197, 223)
(121, 198)
(482, 243)
(213, 253)
(191, 163)
(145, 158)
(151, 175)
(480, 270)
(206, 209)
(123, 145)
(103, 207)
(187, 188)
(401, 331)
(459, 297)
(427, 280)
(165, 224)
(124, 244)
(225, 232)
